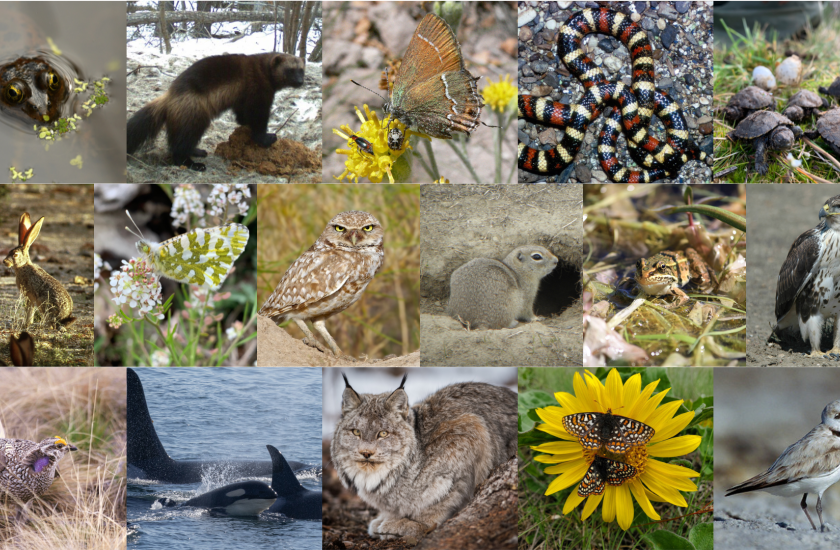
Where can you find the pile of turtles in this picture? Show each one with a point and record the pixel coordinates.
(753, 109)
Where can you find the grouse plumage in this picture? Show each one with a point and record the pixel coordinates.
(27, 468)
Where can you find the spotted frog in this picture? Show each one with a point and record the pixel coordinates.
(667, 271)
(34, 83)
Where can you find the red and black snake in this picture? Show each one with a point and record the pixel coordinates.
(637, 104)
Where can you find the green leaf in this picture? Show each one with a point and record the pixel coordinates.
(535, 437)
(666, 540)
(716, 212)
(528, 401)
(702, 536)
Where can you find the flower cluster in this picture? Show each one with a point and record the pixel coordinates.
(228, 193)
(187, 201)
(98, 265)
(160, 358)
(498, 95)
(642, 477)
(137, 285)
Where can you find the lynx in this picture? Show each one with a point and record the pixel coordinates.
(419, 465)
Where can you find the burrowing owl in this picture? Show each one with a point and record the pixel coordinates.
(330, 276)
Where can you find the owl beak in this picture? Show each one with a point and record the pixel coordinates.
(354, 236)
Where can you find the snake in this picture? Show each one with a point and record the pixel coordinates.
(637, 104)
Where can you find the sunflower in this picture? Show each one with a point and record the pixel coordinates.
(641, 476)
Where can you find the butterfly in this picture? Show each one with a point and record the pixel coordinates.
(604, 470)
(618, 434)
(202, 256)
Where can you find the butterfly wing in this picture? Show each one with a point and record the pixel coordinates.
(586, 426)
(617, 472)
(433, 50)
(627, 433)
(593, 481)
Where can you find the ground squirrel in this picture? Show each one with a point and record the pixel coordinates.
(486, 293)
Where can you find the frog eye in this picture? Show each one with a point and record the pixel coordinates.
(14, 92)
(660, 265)
(357, 433)
(382, 435)
(52, 80)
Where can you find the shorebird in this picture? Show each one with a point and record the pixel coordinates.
(811, 465)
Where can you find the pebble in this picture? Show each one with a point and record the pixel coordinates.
(634, 17)
(647, 24)
(541, 91)
(689, 80)
(525, 34)
(548, 136)
(599, 175)
(540, 67)
(704, 100)
(563, 5)
(612, 63)
(551, 80)
(582, 173)
(669, 35)
(704, 119)
(527, 16)
(707, 128)
(763, 78)
(640, 6)
(660, 24)
(551, 24)
(789, 71)
(667, 11)
(606, 45)
(682, 7)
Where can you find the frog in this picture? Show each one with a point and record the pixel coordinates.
(665, 272)
(34, 83)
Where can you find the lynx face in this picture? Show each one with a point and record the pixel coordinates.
(373, 441)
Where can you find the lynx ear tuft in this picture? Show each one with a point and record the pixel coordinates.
(398, 400)
(349, 399)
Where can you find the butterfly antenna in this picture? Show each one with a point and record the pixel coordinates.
(140, 235)
(368, 89)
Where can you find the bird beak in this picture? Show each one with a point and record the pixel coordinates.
(72, 448)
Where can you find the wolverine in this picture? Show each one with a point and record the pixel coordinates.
(208, 88)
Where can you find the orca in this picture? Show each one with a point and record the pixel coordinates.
(147, 459)
(293, 500)
(246, 498)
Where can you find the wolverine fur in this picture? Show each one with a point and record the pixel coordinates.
(244, 83)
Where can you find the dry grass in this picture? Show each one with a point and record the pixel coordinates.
(291, 217)
(85, 507)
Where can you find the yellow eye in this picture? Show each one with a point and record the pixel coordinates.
(368, 228)
(53, 82)
(14, 92)
(357, 433)
(383, 434)
(340, 229)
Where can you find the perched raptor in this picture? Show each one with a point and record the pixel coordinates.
(808, 292)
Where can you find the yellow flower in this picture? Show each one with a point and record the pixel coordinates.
(441, 180)
(652, 479)
(499, 94)
(362, 164)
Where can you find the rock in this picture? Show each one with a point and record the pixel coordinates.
(548, 137)
(582, 173)
(689, 80)
(647, 24)
(551, 80)
(612, 63)
(551, 24)
(525, 34)
(660, 24)
(634, 17)
(541, 91)
(789, 71)
(665, 10)
(527, 16)
(539, 67)
(682, 7)
(707, 128)
(763, 78)
(599, 175)
(669, 36)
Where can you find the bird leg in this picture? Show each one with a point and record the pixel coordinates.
(836, 346)
(322, 328)
(804, 506)
(310, 340)
(819, 514)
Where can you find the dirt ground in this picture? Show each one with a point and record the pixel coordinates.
(64, 249)
(779, 214)
(477, 527)
(295, 157)
(459, 223)
(276, 348)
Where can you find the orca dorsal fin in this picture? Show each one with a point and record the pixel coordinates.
(144, 447)
(283, 480)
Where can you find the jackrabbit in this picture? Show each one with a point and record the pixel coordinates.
(41, 289)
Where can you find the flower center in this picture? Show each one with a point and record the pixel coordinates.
(636, 457)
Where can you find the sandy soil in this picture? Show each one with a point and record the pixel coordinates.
(64, 249)
(779, 214)
(276, 348)
(281, 163)
(459, 223)
(759, 412)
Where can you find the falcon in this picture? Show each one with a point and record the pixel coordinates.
(808, 292)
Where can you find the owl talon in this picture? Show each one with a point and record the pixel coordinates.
(313, 343)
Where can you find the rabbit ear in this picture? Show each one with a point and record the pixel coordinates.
(32, 233)
(23, 226)
(22, 350)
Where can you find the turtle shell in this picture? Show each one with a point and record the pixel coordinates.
(18, 33)
(758, 124)
(828, 126)
(752, 97)
(806, 98)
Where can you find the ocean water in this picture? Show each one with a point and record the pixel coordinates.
(227, 413)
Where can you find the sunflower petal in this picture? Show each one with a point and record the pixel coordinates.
(639, 491)
(591, 505)
(676, 425)
(608, 509)
(614, 391)
(560, 448)
(572, 472)
(663, 491)
(572, 502)
(624, 507)
(676, 446)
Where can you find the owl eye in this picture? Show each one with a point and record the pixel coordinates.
(14, 92)
(340, 229)
(356, 432)
(368, 228)
(382, 435)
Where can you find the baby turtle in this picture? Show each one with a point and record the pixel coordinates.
(767, 130)
(833, 90)
(746, 102)
(828, 126)
(803, 103)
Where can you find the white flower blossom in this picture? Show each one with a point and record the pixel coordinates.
(187, 201)
(228, 193)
